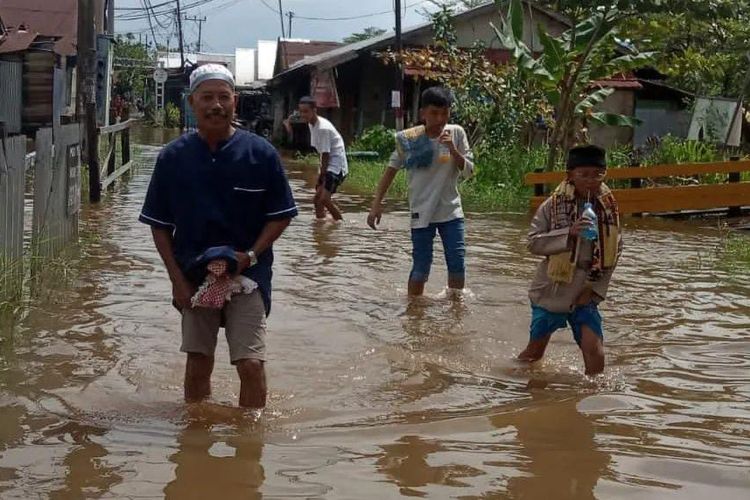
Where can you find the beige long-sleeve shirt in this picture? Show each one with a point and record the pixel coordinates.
(545, 241)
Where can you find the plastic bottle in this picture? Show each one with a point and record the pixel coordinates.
(590, 232)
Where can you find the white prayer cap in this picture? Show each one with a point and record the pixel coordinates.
(210, 72)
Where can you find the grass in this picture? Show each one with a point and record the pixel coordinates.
(735, 249)
(496, 186)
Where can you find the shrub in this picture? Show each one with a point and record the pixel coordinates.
(378, 139)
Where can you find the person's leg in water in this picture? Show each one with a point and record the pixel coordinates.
(323, 197)
(454, 248)
(543, 324)
(320, 210)
(586, 323)
(422, 242)
(198, 371)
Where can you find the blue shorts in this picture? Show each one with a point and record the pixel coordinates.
(452, 235)
(545, 323)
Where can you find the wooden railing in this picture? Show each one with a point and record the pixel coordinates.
(112, 172)
(732, 194)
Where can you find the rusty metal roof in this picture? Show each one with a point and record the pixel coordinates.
(53, 18)
(16, 41)
(293, 51)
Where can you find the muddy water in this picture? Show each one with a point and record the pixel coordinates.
(372, 396)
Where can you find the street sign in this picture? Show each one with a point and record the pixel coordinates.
(160, 75)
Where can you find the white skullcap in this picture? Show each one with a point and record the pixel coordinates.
(210, 72)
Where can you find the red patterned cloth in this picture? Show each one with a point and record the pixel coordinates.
(219, 286)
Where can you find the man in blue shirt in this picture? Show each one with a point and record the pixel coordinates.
(216, 187)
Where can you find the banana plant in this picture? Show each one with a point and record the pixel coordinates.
(567, 68)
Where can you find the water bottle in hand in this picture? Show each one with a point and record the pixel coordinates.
(591, 232)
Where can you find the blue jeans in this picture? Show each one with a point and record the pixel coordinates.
(544, 322)
(452, 235)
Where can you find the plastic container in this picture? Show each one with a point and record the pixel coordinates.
(590, 232)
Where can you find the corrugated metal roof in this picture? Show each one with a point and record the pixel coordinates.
(293, 51)
(619, 82)
(54, 18)
(346, 53)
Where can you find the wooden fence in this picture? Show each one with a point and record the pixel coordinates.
(732, 194)
(56, 190)
(112, 171)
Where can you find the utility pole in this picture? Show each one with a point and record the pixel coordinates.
(200, 21)
(179, 29)
(290, 15)
(399, 99)
(87, 92)
(111, 17)
(281, 17)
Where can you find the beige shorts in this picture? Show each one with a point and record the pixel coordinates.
(245, 328)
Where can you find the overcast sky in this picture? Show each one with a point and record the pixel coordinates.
(240, 23)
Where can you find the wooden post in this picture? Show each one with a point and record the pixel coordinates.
(125, 138)
(539, 188)
(636, 183)
(87, 95)
(734, 177)
(112, 158)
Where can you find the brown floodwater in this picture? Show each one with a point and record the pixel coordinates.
(373, 396)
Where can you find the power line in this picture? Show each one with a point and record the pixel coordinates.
(348, 18)
(150, 25)
(166, 9)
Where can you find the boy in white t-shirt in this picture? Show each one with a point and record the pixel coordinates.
(333, 165)
(435, 155)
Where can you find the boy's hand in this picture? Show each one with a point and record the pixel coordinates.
(446, 139)
(376, 213)
(580, 225)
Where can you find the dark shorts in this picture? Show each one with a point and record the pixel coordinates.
(331, 181)
(545, 323)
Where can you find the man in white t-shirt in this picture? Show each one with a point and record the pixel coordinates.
(333, 165)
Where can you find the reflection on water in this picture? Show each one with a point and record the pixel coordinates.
(373, 395)
(207, 451)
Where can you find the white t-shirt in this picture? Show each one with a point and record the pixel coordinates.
(326, 139)
(433, 190)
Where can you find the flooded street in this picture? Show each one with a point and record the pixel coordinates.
(372, 396)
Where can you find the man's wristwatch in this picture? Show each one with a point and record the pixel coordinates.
(253, 258)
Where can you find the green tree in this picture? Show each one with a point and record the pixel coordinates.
(565, 70)
(133, 65)
(700, 44)
(490, 100)
(366, 34)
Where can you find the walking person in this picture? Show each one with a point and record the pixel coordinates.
(435, 156)
(217, 201)
(577, 233)
(329, 144)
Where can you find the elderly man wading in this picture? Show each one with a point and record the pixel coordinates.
(217, 201)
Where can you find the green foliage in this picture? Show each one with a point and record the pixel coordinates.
(565, 70)
(132, 72)
(735, 250)
(378, 138)
(700, 44)
(172, 116)
(491, 101)
(497, 185)
(672, 150)
(366, 34)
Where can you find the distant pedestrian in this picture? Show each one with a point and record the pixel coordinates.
(217, 201)
(435, 155)
(334, 167)
(580, 255)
